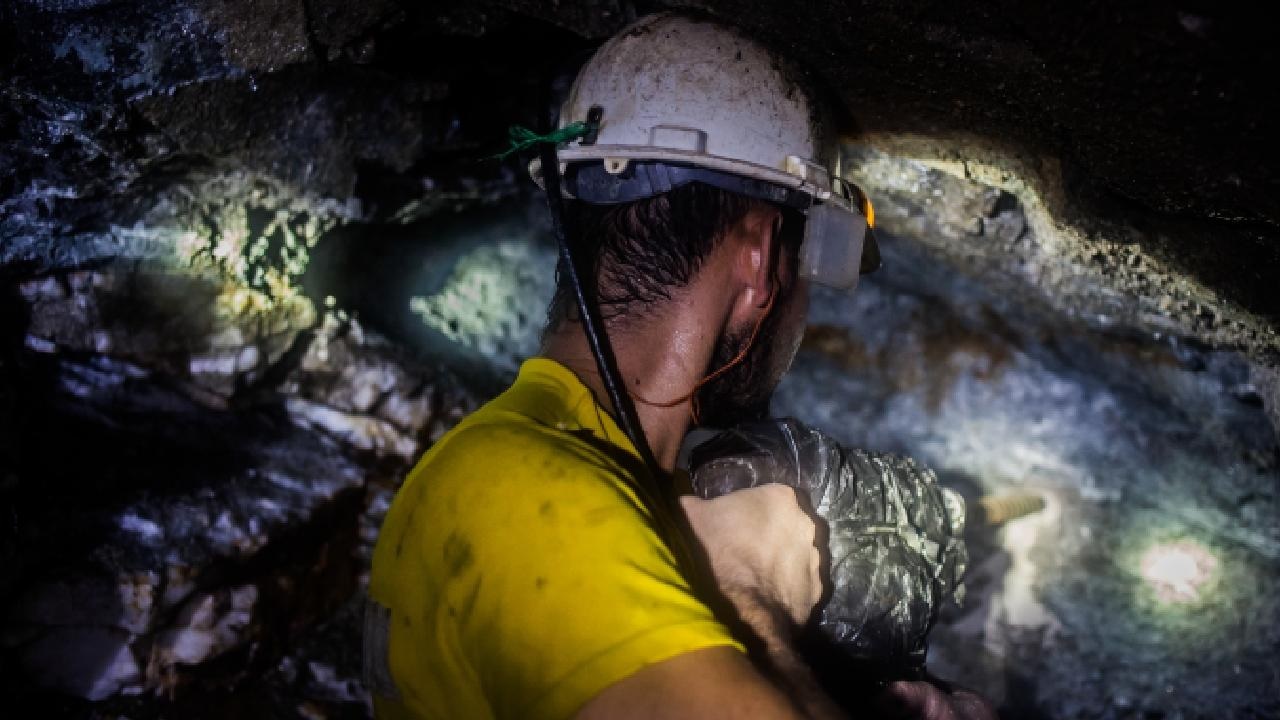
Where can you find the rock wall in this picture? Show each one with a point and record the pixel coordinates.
(196, 453)
(177, 520)
(254, 258)
(1135, 442)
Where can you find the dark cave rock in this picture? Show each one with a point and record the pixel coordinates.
(177, 513)
(306, 126)
(199, 532)
(216, 217)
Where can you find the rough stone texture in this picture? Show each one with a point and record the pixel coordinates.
(144, 525)
(198, 283)
(195, 464)
(273, 36)
(204, 500)
(1267, 383)
(312, 132)
(1004, 235)
(167, 535)
(216, 217)
(1161, 118)
(370, 394)
(318, 95)
(468, 289)
(1132, 441)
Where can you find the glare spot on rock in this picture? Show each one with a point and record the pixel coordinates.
(1177, 571)
(493, 301)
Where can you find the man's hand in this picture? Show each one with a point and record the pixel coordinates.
(920, 700)
(761, 547)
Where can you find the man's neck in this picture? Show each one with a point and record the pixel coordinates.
(659, 359)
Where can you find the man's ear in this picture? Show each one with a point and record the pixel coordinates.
(758, 254)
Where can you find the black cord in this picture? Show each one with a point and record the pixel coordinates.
(589, 314)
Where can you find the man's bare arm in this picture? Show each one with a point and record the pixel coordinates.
(760, 544)
(714, 682)
(761, 548)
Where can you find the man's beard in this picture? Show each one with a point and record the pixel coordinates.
(743, 392)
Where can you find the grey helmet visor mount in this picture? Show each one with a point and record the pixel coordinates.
(839, 244)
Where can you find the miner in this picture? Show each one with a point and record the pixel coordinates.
(532, 565)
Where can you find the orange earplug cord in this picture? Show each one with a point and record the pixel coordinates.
(742, 355)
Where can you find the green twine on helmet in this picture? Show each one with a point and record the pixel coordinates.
(522, 138)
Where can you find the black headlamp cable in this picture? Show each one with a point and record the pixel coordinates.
(589, 313)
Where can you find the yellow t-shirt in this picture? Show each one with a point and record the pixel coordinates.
(523, 567)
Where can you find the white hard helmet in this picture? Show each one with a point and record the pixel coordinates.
(674, 99)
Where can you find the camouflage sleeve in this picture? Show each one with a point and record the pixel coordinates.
(895, 536)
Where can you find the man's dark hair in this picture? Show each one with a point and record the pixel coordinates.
(643, 250)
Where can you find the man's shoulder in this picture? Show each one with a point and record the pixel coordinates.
(502, 448)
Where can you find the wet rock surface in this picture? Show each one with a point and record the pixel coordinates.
(1149, 126)
(167, 538)
(164, 534)
(253, 262)
(1133, 442)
